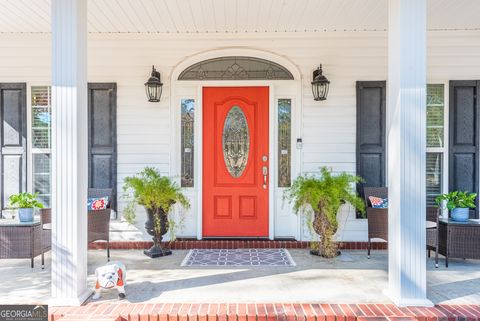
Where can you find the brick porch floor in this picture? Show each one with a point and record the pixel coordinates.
(263, 312)
(187, 244)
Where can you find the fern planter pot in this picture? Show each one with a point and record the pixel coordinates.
(460, 214)
(319, 253)
(25, 214)
(157, 250)
(323, 227)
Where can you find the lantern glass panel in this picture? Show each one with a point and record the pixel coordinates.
(153, 91)
(320, 91)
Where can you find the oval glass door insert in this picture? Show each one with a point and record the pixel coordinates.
(236, 141)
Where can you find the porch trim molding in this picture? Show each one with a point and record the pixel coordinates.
(406, 149)
(69, 152)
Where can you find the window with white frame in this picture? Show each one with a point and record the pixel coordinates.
(41, 143)
(435, 141)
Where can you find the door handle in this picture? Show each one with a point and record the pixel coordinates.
(265, 173)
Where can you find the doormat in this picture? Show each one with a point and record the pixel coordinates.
(238, 257)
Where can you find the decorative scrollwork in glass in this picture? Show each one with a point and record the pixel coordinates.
(187, 135)
(284, 142)
(236, 141)
(236, 68)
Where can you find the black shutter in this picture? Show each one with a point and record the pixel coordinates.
(371, 133)
(102, 137)
(464, 136)
(13, 160)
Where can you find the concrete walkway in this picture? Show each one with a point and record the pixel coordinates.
(350, 278)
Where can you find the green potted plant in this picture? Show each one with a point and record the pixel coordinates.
(25, 203)
(458, 203)
(319, 198)
(157, 194)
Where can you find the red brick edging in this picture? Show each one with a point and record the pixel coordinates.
(263, 312)
(231, 244)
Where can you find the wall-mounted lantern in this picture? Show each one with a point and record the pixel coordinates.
(153, 86)
(320, 85)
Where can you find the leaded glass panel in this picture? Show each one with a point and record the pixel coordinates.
(236, 68)
(435, 115)
(284, 142)
(187, 145)
(236, 141)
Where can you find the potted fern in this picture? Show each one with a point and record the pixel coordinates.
(25, 203)
(157, 194)
(319, 198)
(458, 203)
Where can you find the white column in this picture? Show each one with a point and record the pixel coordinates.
(69, 152)
(406, 152)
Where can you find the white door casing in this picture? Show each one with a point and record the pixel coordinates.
(279, 212)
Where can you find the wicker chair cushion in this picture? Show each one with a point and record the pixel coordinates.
(378, 202)
(431, 225)
(96, 204)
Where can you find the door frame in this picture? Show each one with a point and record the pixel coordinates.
(194, 89)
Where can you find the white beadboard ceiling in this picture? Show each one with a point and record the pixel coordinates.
(234, 16)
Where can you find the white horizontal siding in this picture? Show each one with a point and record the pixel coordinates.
(328, 128)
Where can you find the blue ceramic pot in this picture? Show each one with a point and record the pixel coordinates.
(25, 214)
(460, 214)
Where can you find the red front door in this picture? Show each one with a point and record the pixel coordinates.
(235, 161)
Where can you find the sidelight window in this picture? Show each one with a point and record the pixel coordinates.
(284, 142)
(187, 144)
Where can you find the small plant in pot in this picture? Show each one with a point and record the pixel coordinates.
(157, 194)
(458, 203)
(319, 198)
(25, 203)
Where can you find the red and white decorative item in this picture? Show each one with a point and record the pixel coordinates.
(378, 202)
(110, 276)
(97, 204)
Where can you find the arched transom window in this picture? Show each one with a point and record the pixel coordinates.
(236, 68)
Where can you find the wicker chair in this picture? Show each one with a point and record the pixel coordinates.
(377, 217)
(432, 233)
(46, 221)
(99, 221)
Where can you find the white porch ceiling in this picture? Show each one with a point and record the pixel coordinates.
(234, 16)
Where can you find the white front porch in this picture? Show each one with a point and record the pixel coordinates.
(348, 279)
(406, 165)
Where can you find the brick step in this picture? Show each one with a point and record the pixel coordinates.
(262, 312)
(84, 317)
(387, 318)
(185, 244)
